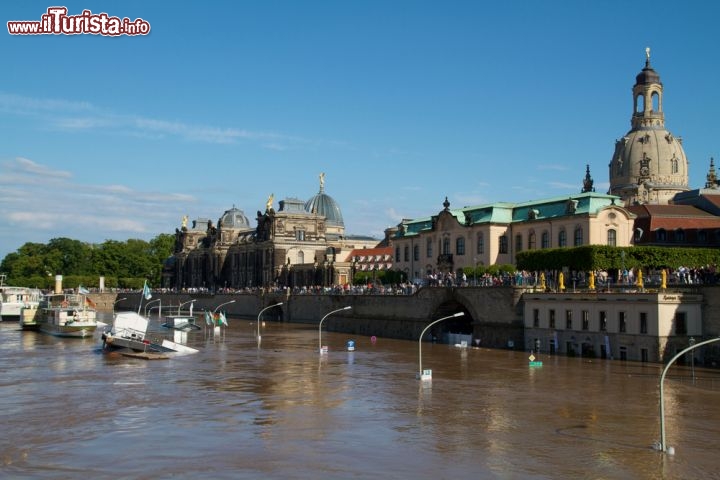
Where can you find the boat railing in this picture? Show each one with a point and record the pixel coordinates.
(131, 333)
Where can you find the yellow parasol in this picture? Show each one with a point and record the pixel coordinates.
(591, 283)
(561, 281)
(639, 281)
(542, 281)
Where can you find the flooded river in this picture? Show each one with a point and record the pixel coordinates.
(238, 411)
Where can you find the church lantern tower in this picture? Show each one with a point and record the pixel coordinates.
(649, 165)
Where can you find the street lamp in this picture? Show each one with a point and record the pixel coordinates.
(321, 322)
(116, 301)
(216, 308)
(152, 301)
(258, 319)
(185, 303)
(420, 370)
(691, 341)
(663, 444)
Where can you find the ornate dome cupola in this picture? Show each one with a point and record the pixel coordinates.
(323, 204)
(649, 163)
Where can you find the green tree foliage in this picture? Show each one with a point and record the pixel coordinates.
(123, 264)
(601, 257)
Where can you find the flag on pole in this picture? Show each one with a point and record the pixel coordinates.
(146, 291)
(223, 320)
(208, 318)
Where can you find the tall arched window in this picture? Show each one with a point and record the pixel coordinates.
(578, 236)
(612, 238)
(416, 252)
(446, 246)
(518, 243)
(545, 240)
(397, 254)
(503, 244)
(428, 248)
(480, 244)
(460, 246)
(562, 238)
(532, 241)
(407, 253)
(660, 235)
(680, 235)
(301, 257)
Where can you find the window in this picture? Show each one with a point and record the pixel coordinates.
(416, 252)
(643, 322)
(300, 235)
(562, 238)
(603, 321)
(480, 244)
(446, 246)
(503, 244)
(397, 254)
(518, 243)
(460, 245)
(680, 323)
(674, 165)
(428, 248)
(545, 240)
(578, 236)
(568, 319)
(661, 235)
(585, 320)
(532, 241)
(612, 238)
(702, 236)
(551, 315)
(407, 253)
(680, 235)
(536, 317)
(622, 322)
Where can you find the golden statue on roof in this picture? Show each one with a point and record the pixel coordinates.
(269, 203)
(322, 181)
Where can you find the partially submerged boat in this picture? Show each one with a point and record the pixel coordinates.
(129, 331)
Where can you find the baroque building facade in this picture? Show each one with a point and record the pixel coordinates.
(300, 244)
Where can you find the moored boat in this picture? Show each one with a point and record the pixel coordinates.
(67, 315)
(14, 299)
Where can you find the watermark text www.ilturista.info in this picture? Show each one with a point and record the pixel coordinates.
(57, 22)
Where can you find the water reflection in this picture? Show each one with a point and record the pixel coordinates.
(236, 410)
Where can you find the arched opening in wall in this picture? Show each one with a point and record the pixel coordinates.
(655, 102)
(640, 104)
(454, 330)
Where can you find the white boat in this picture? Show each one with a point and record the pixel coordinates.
(129, 331)
(65, 315)
(14, 299)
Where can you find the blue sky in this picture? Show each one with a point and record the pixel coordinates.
(399, 103)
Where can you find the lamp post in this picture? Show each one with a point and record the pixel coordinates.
(691, 341)
(116, 301)
(185, 303)
(663, 445)
(222, 304)
(420, 370)
(321, 322)
(151, 301)
(258, 318)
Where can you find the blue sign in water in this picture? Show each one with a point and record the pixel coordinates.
(351, 345)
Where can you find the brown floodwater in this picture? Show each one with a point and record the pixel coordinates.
(235, 410)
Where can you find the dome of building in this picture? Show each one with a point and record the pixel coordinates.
(234, 218)
(324, 204)
(649, 163)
